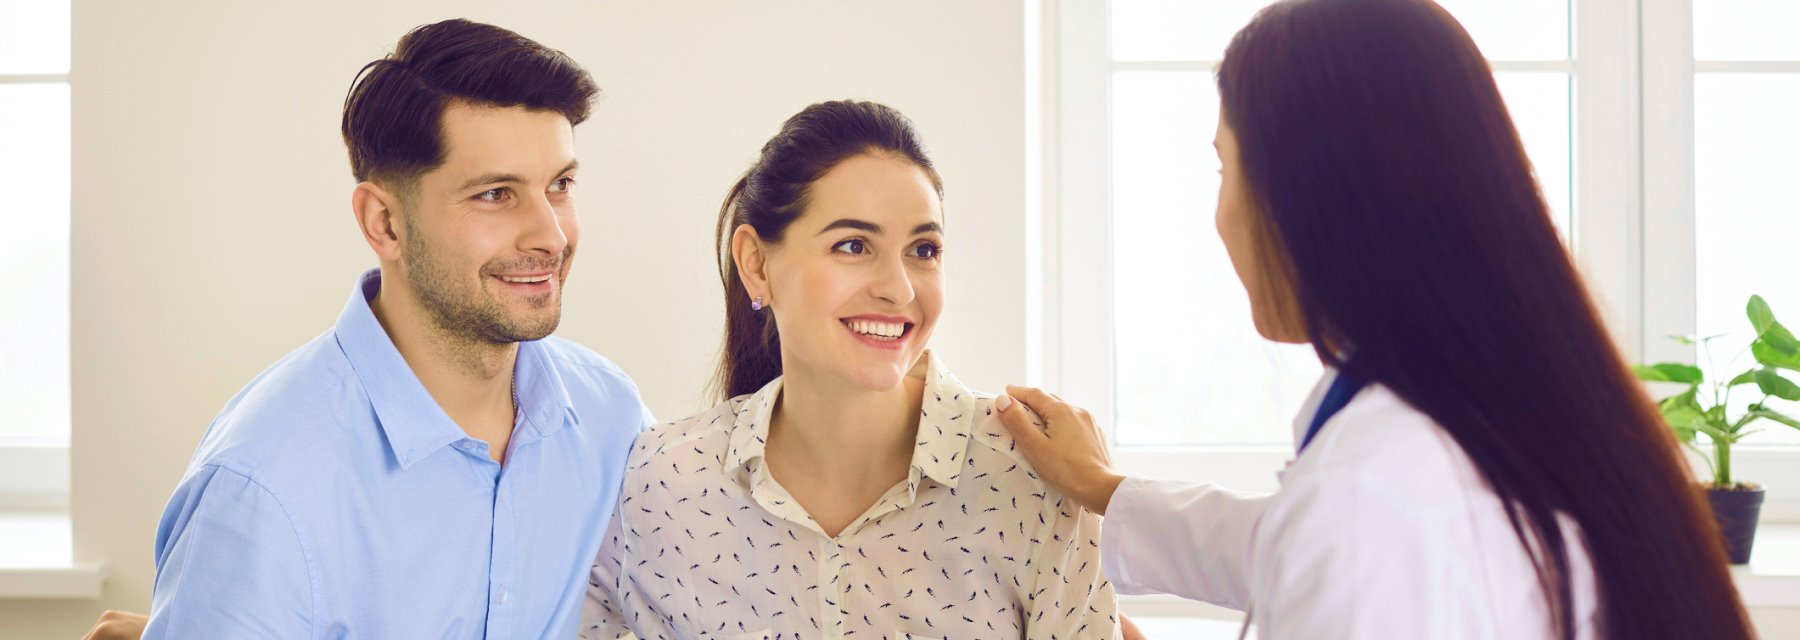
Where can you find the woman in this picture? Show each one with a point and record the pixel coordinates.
(1479, 462)
(850, 487)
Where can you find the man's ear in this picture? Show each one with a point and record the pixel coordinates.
(752, 258)
(378, 215)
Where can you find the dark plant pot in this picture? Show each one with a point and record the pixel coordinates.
(1736, 513)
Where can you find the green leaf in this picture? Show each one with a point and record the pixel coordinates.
(1683, 417)
(1716, 433)
(1689, 399)
(1773, 384)
(1682, 412)
(1697, 339)
(1779, 338)
(1761, 316)
(1669, 372)
(1764, 412)
(1768, 330)
(1746, 377)
(1768, 355)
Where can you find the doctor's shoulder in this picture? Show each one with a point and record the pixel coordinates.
(1381, 447)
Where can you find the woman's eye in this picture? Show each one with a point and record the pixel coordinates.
(928, 250)
(853, 246)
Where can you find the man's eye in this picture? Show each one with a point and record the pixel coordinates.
(492, 195)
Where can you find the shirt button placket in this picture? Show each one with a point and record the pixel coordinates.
(500, 565)
(831, 590)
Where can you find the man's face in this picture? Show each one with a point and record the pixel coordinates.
(489, 235)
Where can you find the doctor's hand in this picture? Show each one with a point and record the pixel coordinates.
(1063, 444)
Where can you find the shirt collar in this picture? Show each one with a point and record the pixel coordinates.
(943, 437)
(945, 424)
(544, 399)
(750, 425)
(1303, 419)
(411, 421)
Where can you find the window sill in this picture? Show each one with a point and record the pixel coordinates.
(1770, 581)
(37, 561)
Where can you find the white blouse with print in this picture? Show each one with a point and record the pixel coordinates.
(706, 544)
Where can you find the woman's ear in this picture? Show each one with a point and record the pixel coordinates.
(378, 215)
(751, 256)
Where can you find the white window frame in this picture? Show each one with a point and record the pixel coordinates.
(1669, 220)
(34, 472)
(1632, 119)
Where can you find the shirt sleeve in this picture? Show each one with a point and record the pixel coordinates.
(1355, 562)
(1070, 597)
(648, 418)
(603, 613)
(1186, 539)
(229, 563)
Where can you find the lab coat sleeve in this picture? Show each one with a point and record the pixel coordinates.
(1354, 561)
(1186, 539)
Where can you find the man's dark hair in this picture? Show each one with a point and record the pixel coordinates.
(393, 116)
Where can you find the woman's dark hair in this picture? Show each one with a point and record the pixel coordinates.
(394, 114)
(773, 193)
(1393, 184)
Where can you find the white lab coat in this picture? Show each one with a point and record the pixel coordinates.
(1382, 529)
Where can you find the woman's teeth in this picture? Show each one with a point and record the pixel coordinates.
(877, 330)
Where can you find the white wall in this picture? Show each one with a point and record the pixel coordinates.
(212, 232)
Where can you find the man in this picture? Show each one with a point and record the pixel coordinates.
(435, 465)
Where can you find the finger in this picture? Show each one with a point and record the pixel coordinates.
(1130, 629)
(1039, 401)
(1017, 418)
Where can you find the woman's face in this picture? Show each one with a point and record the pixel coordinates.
(857, 283)
(1242, 227)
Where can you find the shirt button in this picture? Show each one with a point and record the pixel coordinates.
(501, 595)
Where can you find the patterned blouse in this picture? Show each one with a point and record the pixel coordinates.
(706, 544)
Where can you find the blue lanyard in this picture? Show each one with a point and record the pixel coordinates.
(1342, 389)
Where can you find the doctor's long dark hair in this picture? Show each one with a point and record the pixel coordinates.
(1390, 178)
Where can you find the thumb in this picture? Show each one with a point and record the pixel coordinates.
(1017, 419)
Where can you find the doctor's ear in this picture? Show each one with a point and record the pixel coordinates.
(750, 254)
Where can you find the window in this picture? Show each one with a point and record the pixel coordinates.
(34, 249)
(1746, 229)
(1670, 176)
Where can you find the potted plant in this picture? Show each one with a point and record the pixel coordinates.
(1705, 408)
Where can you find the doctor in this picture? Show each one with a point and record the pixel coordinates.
(1477, 462)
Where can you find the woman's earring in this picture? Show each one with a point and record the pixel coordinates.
(757, 304)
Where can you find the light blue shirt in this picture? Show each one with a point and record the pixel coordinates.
(333, 498)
